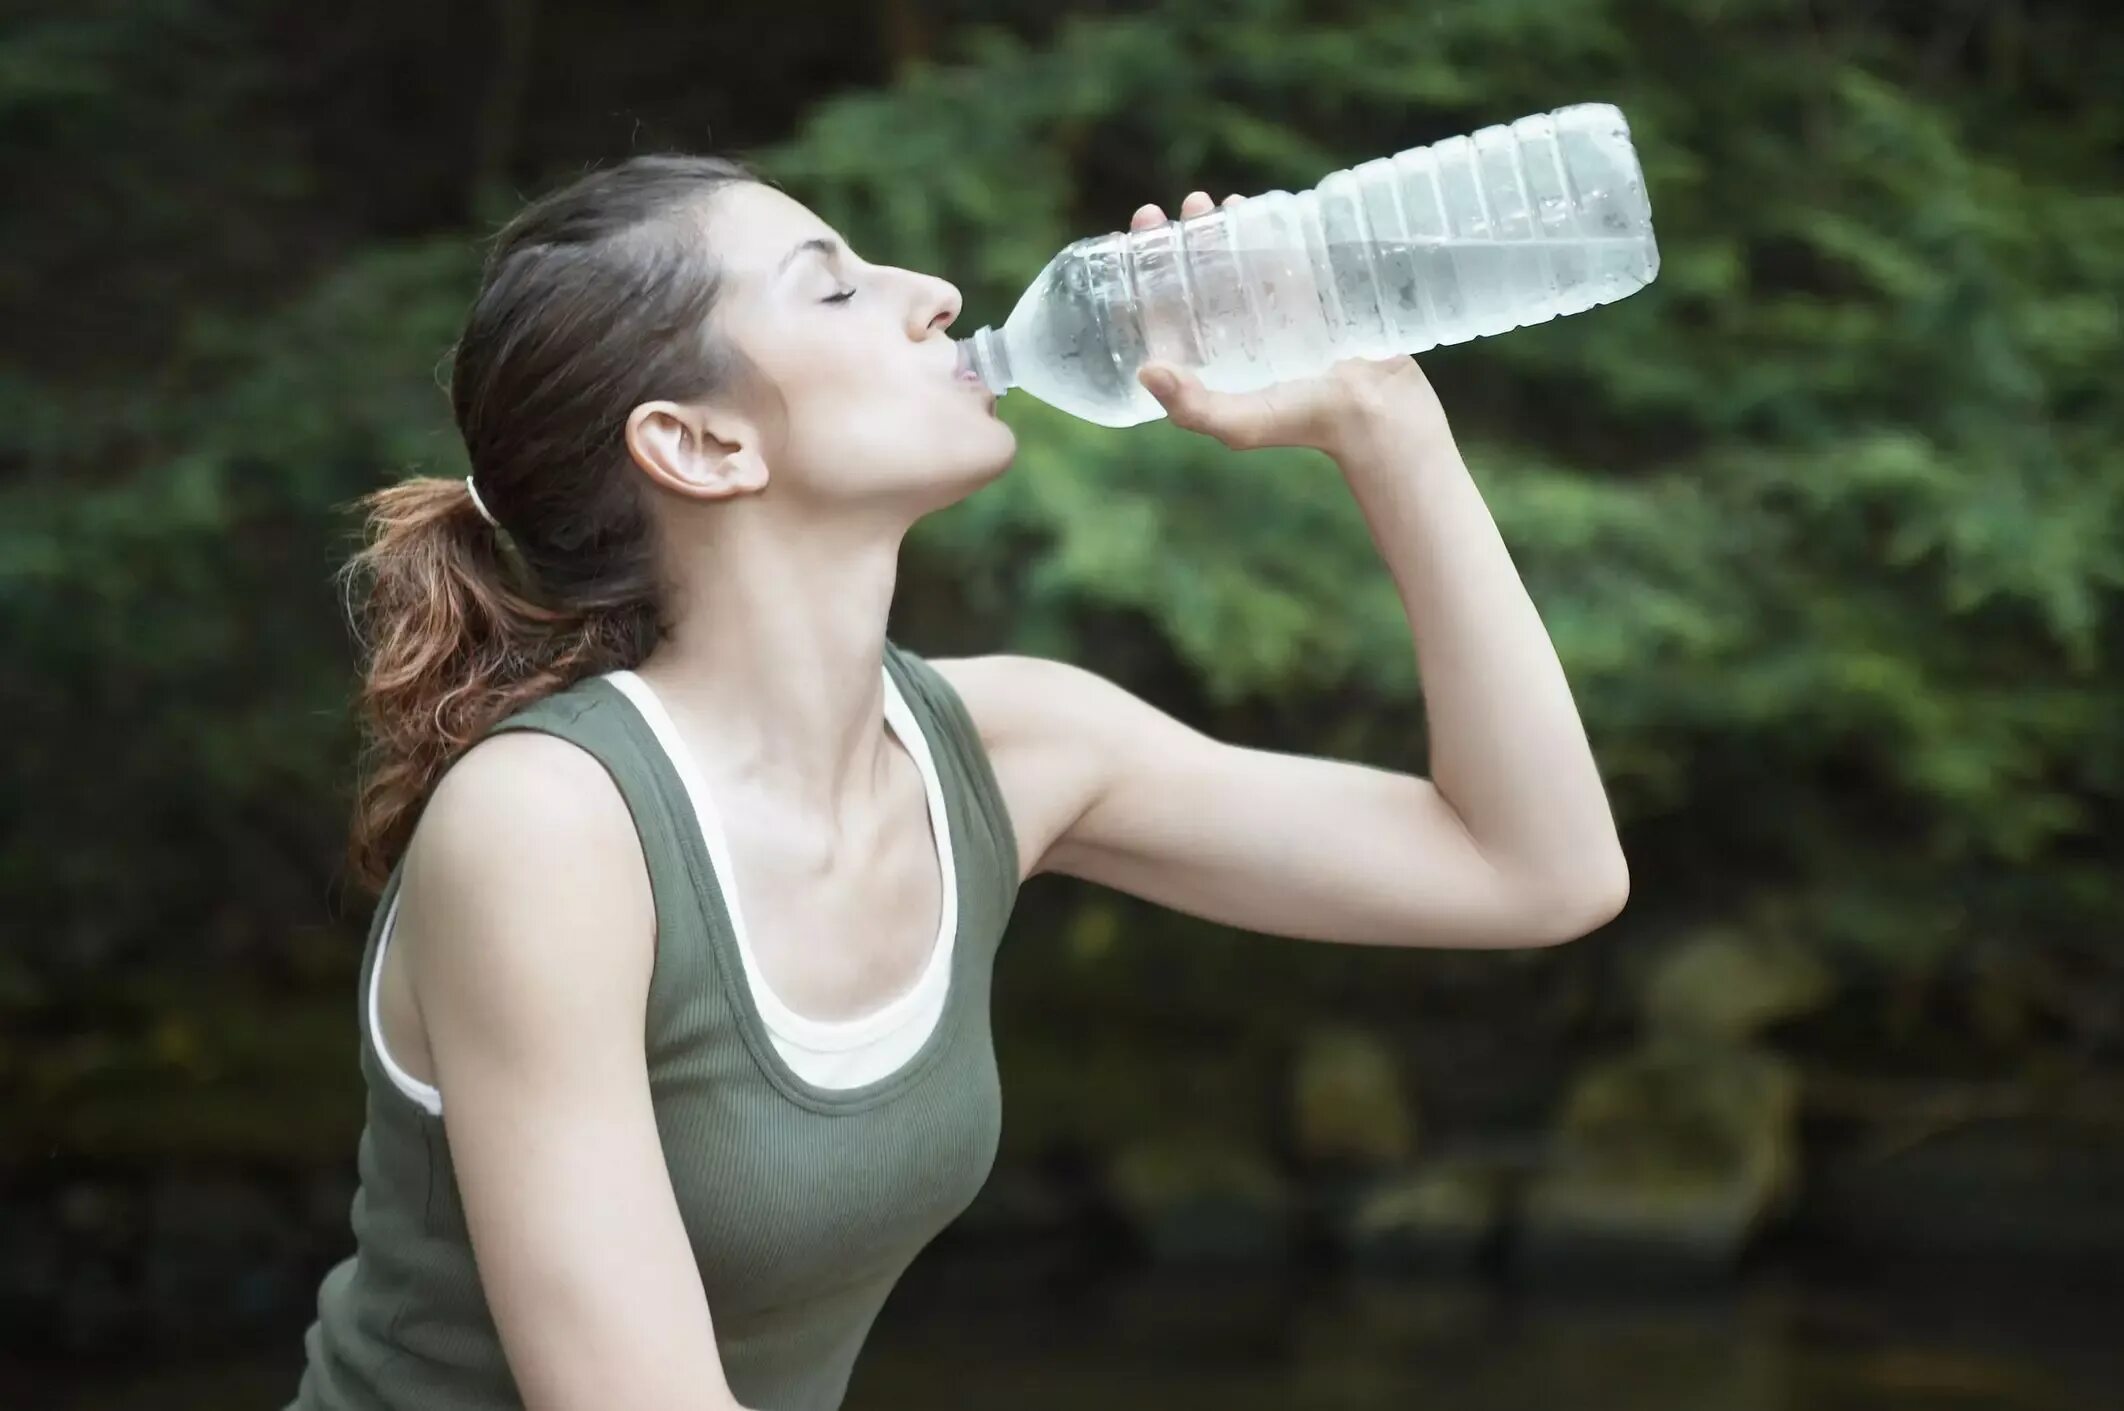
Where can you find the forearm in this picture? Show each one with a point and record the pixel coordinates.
(1507, 750)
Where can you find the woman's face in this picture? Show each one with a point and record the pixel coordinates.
(862, 401)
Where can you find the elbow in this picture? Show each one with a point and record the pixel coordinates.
(1611, 895)
(1592, 899)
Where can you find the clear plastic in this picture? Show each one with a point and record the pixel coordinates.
(1509, 226)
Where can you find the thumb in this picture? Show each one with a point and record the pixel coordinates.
(1160, 379)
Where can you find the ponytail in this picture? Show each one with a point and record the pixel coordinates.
(594, 298)
(449, 646)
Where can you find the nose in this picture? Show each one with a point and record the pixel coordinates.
(939, 303)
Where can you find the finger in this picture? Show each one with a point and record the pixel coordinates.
(1197, 203)
(1240, 422)
(1166, 332)
(1233, 200)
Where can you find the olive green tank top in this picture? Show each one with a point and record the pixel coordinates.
(803, 1204)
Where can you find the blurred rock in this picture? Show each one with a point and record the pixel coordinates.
(1726, 985)
(2031, 1184)
(1667, 1162)
(1097, 1092)
(1443, 1216)
(1349, 1105)
(1202, 1199)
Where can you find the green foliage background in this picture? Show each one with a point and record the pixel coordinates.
(1828, 523)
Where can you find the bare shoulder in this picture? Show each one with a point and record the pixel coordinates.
(1059, 736)
(1020, 702)
(525, 875)
(504, 777)
(518, 803)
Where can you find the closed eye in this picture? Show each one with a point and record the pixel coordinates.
(841, 298)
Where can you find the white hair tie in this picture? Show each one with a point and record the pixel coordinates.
(479, 504)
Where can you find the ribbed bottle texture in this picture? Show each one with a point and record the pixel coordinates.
(1509, 226)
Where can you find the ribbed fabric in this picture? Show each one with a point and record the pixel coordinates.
(803, 1204)
(837, 1053)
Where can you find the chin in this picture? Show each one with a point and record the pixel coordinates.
(962, 475)
(1005, 458)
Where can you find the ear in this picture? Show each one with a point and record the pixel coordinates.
(701, 454)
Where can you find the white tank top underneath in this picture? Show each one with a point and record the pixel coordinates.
(843, 1053)
(826, 1053)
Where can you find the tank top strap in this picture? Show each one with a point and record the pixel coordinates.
(971, 792)
(596, 717)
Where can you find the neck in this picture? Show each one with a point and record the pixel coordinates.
(777, 647)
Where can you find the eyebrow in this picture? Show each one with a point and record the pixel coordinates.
(831, 249)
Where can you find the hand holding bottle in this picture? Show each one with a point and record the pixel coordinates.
(1321, 411)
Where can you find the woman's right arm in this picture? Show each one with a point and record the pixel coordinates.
(530, 934)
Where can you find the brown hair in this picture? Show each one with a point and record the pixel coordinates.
(593, 299)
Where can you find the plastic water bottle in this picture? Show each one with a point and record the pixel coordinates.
(1474, 235)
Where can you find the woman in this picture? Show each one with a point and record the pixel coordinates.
(675, 1013)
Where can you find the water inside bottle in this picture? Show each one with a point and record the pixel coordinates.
(1243, 317)
(1377, 298)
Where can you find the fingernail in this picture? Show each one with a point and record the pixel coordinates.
(1160, 381)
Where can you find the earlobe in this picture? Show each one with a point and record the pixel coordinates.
(744, 471)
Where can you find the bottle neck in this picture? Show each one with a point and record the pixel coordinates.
(991, 361)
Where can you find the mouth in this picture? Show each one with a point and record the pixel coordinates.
(963, 372)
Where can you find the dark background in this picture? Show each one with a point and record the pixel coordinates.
(1828, 524)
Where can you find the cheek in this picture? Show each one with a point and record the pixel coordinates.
(874, 420)
(865, 408)
(883, 380)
